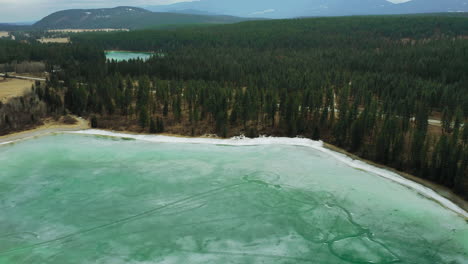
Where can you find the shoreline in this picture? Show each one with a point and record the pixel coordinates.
(437, 188)
(412, 182)
(50, 127)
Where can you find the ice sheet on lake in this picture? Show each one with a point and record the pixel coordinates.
(244, 141)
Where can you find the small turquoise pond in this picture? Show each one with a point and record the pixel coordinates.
(127, 55)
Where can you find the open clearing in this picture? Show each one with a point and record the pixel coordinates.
(10, 88)
(4, 34)
(54, 40)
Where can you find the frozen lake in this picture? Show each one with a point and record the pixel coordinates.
(127, 55)
(77, 198)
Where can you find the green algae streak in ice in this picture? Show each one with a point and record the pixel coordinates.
(127, 55)
(86, 199)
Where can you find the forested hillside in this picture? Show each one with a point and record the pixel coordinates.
(28, 111)
(124, 17)
(367, 84)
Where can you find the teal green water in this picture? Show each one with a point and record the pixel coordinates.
(88, 199)
(125, 55)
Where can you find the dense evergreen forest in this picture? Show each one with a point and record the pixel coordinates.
(367, 84)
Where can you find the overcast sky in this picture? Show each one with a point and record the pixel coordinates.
(32, 10)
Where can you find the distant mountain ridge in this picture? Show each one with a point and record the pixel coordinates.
(307, 8)
(229, 11)
(124, 17)
(193, 12)
(432, 6)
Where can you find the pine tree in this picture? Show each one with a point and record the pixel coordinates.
(94, 122)
(446, 120)
(160, 125)
(143, 116)
(464, 136)
(165, 108)
(153, 129)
